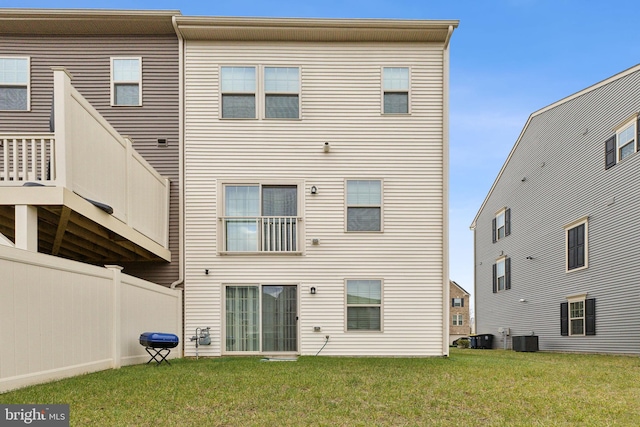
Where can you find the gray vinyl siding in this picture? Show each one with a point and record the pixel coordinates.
(560, 155)
(88, 61)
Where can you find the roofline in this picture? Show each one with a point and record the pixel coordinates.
(539, 112)
(316, 29)
(459, 287)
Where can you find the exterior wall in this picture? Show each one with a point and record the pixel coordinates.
(456, 332)
(340, 104)
(60, 318)
(88, 61)
(555, 176)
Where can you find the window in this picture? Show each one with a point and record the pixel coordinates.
(501, 224)
(14, 83)
(623, 144)
(395, 87)
(457, 320)
(626, 138)
(457, 302)
(260, 218)
(502, 274)
(578, 316)
(282, 92)
(126, 81)
(238, 88)
(364, 205)
(364, 303)
(576, 244)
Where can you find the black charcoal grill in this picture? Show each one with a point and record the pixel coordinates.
(158, 345)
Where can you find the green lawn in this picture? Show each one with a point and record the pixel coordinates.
(471, 387)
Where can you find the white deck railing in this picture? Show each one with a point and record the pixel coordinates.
(260, 234)
(86, 155)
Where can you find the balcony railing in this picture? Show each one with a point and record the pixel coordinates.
(260, 234)
(86, 155)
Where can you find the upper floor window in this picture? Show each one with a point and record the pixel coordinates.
(364, 305)
(576, 244)
(238, 88)
(282, 92)
(14, 83)
(260, 218)
(501, 224)
(126, 81)
(626, 140)
(457, 302)
(395, 87)
(623, 143)
(502, 274)
(364, 205)
(457, 320)
(578, 316)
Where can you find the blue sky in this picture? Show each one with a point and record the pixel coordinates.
(509, 58)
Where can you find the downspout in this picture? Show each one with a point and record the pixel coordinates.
(181, 256)
(445, 193)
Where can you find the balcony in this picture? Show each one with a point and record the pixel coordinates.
(81, 191)
(264, 234)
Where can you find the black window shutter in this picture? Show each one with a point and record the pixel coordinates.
(493, 230)
(610, 152)
(507, 222)
(461, 302)
(453, 302)
(564, 319)
(590, 316)
(507, 273)
(495, 274)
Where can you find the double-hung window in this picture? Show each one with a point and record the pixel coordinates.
(626, 139)
(238, 87)
(395, 88)
(576, 244)
(282, 92)
(578, 316)
(260, 218)
(501, 224)
(457, 302)
(364, 305)
(364, 205)
(457, 320)
(126, 81)
(502, 274)
(14, 83)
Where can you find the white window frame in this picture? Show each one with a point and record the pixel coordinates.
(300, 229)
(457, 320)
(574, 224)
(347, 205)
(26, 85)
(254, 93)
(501, 261)
(501, 214)
(347, 306)
(384, 91)
(129, 82)
(457, 302)
(620, 144)
(577, 299)
(265, 93)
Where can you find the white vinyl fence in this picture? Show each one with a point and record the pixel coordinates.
(60, 318)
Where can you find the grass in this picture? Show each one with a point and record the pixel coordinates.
(474, 387)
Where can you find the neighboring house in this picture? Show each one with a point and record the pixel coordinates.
(125, 64)
(316, 176)
(460, 322)
(557, 237)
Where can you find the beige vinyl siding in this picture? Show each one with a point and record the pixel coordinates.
(341, 104)
(88, 61)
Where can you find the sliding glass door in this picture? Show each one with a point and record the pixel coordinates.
(261, 318)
